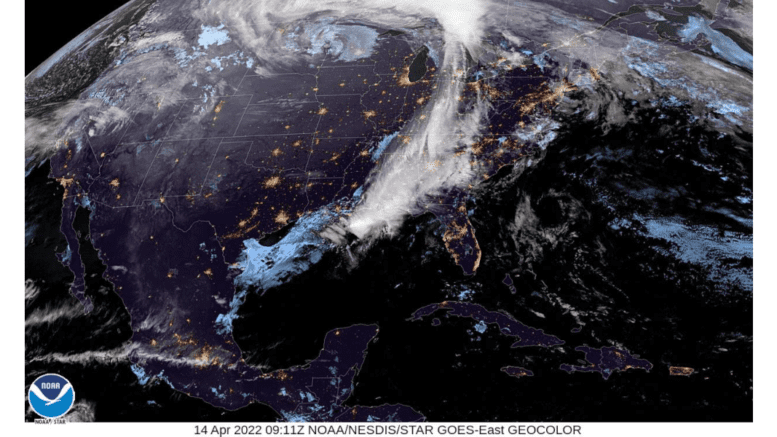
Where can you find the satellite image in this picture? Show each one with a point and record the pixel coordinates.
(406, 211)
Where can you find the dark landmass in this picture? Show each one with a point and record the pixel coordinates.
(525, 335)
(517, 372)
(606, 361)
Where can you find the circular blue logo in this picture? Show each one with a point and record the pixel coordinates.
(51, 395)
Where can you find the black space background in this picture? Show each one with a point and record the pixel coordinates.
(49, 25)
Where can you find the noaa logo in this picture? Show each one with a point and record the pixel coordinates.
(51, 395)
